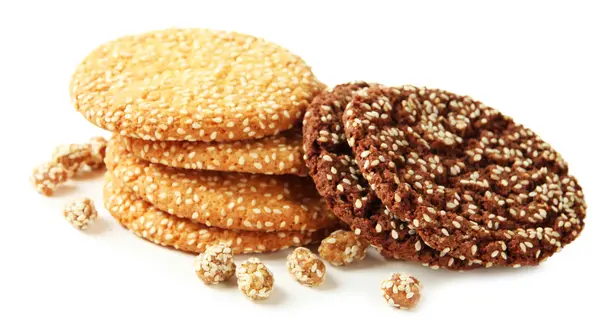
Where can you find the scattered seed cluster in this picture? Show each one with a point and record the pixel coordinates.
(80, 213)
(339, 180)
(488, 190)
(401, 290)
(68, 160)
(343, 247)
(274, 155)
(215, 264)
(254, 279)
(306, 267)
(193, 84)
(47, 176)
(162, 228)
(222, 199)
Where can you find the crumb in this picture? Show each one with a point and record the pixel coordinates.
(306, 267)
(342, 248)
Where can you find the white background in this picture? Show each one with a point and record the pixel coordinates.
(536, 62)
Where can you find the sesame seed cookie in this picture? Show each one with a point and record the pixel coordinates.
(280, 154)
(471, 181)
(338, 179)
(250, 202)
(193, 84)
(164, 229)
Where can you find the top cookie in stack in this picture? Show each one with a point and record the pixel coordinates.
(196, 100)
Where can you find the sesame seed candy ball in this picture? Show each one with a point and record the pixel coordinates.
(342, 248)
(215, 264)
(254, 279)
(80, 213)
(46, 177)
(306, 267)
(401, 290)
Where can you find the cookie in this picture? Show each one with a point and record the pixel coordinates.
(164, 229)
(280, 154)
(471, 181)
(338, 179)
(193, 84)
(250, 202)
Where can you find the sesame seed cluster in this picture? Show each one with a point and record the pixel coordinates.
(401, 290)
(80, 213)
(254, 279)
(279, 154)
(306, 267)
(162, 228)
(342, 247)
(471, 182)
(215, 264)
(67, 161)
(193, 85)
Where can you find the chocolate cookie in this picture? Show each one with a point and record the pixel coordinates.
(338, 179)
(471, 181)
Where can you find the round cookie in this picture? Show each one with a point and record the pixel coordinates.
(471, 181)
(193, 84)
(164, 229)
(280, 154)
(338, 180)
(250, 202)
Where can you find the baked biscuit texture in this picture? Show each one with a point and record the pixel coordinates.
(338, 179)
(164, 229)
(193, 84)
(280, 154)
(471, 182)
(241, 201)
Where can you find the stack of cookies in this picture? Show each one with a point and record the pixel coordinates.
(207, 146)
(431, 176)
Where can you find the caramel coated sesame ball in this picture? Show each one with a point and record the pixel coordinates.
(401, 290)
(46, 177)
(306, 267)
(343, 247)
(215, 265)
(254, 279)
(80, 213)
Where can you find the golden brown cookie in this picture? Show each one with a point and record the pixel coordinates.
(164, 229)
(193, 84)
(251, 202)
(279, 154)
